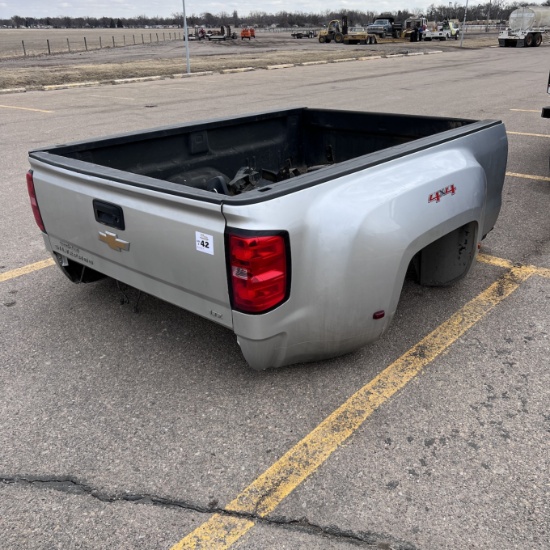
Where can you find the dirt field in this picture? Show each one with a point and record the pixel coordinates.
(167, 57)
(32, 42)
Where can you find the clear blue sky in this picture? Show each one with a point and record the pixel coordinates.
(165, 8)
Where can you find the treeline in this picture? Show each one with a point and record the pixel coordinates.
(495, 10)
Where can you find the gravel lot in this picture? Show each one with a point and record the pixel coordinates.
(168, 58)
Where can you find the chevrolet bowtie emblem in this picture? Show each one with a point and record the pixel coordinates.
(113, 241)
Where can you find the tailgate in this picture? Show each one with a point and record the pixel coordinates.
(168, 246)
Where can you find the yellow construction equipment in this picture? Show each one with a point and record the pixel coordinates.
(336, 30)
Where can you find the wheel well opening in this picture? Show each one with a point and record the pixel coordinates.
(446, 260)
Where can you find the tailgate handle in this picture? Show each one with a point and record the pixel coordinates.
(109, 214)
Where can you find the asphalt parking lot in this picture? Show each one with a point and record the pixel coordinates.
(147, 430)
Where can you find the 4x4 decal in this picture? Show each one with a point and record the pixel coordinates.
(437, 196)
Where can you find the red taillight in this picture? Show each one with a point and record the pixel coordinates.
(259, 270)
(34, 202)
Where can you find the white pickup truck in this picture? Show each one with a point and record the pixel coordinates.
(295, 229)
(445, 31)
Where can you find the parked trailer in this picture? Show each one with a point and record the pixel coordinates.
(359, 35)
(527, 27)
(312, 33)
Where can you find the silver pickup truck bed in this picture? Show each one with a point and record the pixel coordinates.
(293, 228)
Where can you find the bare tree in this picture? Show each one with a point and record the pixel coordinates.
(18, 21)
(491, 9)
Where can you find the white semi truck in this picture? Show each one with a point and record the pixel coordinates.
(527, 26)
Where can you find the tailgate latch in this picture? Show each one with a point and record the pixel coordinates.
(113, 241)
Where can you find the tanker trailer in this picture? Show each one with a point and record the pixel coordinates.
(527, 27)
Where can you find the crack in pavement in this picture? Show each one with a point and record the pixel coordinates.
(361, 538)
(71, 485)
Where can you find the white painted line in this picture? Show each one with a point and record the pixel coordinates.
(13, 90)
(274, 67)
(73, 85)
(189, 75)
(137, 79)
(243, 70)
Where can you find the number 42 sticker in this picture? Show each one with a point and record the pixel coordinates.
(204, 242)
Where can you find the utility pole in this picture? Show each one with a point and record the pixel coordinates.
(186, 39)
(463, 29)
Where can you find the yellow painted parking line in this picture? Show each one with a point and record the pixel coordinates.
(25, 270)
(24, 109)
(499, 262)
(217, 533)
(264, 494)
(493, 260)
(527, 176)
(527, 110)
(527, 134)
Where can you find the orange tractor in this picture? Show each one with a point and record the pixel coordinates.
(248, 32)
